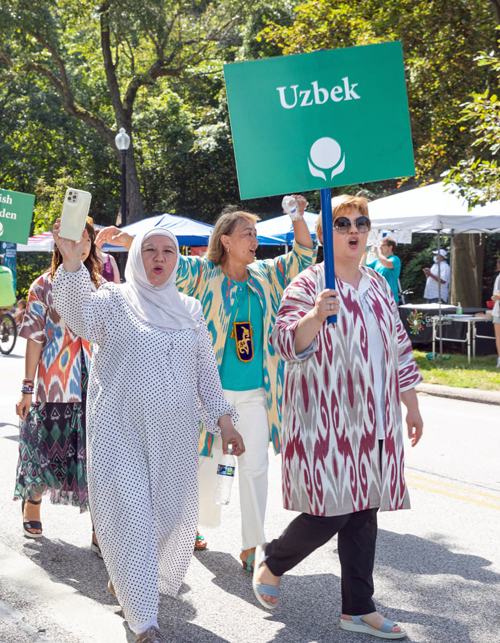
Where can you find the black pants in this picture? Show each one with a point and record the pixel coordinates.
(357, 535)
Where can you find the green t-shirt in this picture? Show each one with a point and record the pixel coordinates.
(236, 375)
(7, 294)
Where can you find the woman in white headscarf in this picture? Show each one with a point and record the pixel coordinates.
(153, 378)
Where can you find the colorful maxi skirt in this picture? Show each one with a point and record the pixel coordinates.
(53, 452)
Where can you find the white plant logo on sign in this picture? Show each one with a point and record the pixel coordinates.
(1, 229)
(325, 154)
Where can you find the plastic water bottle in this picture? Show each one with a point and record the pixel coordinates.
(290, 206)
(225, 477)
(459, 308)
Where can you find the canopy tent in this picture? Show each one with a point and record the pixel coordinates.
(433, 209)
(44, 242)
(281, 228)
(187, 231)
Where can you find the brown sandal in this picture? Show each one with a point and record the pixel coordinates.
(200, 544)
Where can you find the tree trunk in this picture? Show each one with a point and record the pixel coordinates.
(467, 270)
(135, 208)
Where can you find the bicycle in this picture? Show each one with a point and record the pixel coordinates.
(8, 333)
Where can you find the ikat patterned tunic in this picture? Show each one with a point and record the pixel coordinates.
(330, 447)
(60, 369)
(200, 278)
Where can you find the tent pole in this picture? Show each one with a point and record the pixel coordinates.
(451, 259)
(439, 301)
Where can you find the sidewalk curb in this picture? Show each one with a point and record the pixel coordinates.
(465, 394)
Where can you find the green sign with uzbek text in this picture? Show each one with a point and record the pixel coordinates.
(16, 212)
(319, 120)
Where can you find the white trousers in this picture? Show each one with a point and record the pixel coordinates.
(252, 468)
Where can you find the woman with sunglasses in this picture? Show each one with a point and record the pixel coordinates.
(341, 419)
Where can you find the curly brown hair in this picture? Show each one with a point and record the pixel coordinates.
(91, 262)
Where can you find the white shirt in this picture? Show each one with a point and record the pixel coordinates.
(496, 291)
(442, 269)
(377, 357)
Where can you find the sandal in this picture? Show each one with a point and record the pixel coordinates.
(258, 588)
(357, 625)
(247, 564)
(95, 546)
(200, 544)
(31, 524)
(151, 635)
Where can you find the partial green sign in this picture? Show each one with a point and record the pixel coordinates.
(319, 120)
(16, 212)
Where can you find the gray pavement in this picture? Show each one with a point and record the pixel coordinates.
(437, 568)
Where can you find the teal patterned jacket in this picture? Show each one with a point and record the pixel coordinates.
(200, 278)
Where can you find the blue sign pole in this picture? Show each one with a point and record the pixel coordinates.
(326, 213)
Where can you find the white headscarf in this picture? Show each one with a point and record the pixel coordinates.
(161, 306)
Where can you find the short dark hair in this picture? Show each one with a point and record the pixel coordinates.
(390, 242)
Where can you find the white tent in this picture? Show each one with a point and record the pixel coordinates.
(432, 208)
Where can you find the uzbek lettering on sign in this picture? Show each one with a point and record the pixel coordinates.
(317, 120)
(319, 94)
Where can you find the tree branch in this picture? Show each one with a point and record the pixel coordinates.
(69, 105)
(5, 58)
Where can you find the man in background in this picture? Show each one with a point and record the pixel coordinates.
(387, 264)
(440, 272)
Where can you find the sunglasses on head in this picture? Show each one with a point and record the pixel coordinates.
(343, 224)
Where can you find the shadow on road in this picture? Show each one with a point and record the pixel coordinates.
(451, 592)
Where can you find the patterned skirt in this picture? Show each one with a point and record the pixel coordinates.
(53, 452)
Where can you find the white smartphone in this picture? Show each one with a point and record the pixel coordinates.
(74, 214)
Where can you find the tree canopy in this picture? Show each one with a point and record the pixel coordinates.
(440, 42)
(72, 73)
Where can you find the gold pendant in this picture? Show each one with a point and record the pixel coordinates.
(243, 336)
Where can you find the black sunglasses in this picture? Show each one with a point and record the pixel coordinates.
(343, 224)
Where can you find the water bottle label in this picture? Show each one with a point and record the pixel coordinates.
(225, 470)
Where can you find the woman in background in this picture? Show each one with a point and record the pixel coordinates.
(108, 266)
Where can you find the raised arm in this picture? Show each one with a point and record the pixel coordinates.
(300, 230)
(83, 310)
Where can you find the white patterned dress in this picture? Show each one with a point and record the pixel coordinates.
(148, 390)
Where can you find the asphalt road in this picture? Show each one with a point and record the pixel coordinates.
(437, 569)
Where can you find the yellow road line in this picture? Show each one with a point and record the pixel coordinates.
(452, 486)
(456, 496)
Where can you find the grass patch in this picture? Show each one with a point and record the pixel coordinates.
(481, 374)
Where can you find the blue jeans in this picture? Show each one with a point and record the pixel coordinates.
(434, 300)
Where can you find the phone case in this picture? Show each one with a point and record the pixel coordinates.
(74, 214)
